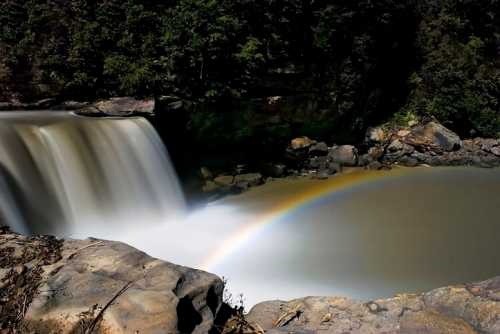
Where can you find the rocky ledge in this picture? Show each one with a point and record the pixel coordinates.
(465, 309)
(115, 106)
(95, 286)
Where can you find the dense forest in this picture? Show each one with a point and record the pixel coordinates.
(346, 64)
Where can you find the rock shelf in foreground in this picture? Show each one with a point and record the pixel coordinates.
(465, 309)
(95, 286)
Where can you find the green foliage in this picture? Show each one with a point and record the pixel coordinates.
(364, 60)
(459, 80)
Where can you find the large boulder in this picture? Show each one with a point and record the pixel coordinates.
(346, 155)
(301, 143)
(120, 106)
(87, 286)
(465, 309)
(433, 137)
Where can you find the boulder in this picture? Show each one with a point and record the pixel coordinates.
(376, 152)
(253, 179)
(120, 106)
(301, 143)
(274, 170)
(224, 180)
(465, 309)
(375, 135)
(398, 149)
(346, 155)
(365, 160)
(433, 137)
(87, 286)
(319, 149)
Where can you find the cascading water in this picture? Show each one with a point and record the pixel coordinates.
(59, 171)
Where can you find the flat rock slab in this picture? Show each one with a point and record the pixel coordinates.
(106, 286)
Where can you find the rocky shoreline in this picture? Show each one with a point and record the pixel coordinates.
(96, 286)
(421, 144)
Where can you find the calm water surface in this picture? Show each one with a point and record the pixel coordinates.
(411, 233)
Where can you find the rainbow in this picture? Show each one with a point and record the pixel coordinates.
(289, 206)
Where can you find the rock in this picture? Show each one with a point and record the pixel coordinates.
(375, 135)
(274, 170)
(408, 161)
(434, 137)
(403, 133)
(206, 174)
(319, 149)
(321, 175)
(317, 163)
(253, 179)
(365, 160)
(210, 187)
(121, 106)
(495, 150)
(346, 155)
(376, 152)
(224, 180)
(301, 143)
(375, 165)
(334, 168)
(398, 149)
(470, 309)
(71, 285)
(72, 105)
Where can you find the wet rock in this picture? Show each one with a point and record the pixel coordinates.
(319, 149)
(301, 143)
(375, 135)
(470, 309)
(120, 106)
(346, 155)
(73, 286)
(434, 137)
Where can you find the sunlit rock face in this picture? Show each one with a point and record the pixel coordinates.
(58, 170)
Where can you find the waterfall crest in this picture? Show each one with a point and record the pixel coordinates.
(59, 171)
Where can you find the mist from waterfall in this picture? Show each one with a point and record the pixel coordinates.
(59, 172)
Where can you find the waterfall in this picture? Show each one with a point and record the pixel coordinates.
(59, 172)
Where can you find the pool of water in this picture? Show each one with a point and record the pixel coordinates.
(363, 234)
